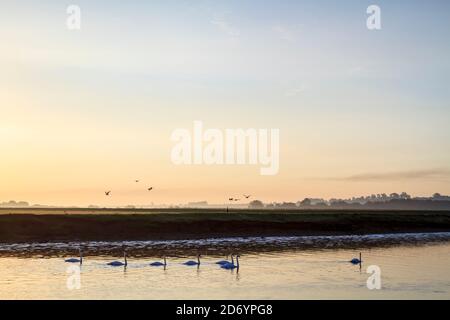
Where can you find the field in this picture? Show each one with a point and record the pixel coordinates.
(42, 225)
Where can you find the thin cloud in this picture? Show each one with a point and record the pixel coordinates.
(360, 71)
(284, 33)
(293, 92)
(355, 71)
(224, 26)
(435, 174)
(289, 33)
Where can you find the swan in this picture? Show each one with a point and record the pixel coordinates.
(231, 266)
(356, 260)
(228, 262)
(222, 262)
(159, 264)
(193, 263)
(119, 263)
(75, 260)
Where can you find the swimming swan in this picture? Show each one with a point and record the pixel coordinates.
(231, 266)
(119, 263)
(356, 260)
(75, 260)
(159, 264)
(228, 262)
(223, 262)
(193, 263)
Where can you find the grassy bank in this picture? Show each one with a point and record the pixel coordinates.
(40, 225)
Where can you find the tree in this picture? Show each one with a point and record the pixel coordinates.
(306, 202)
(404, 195)
(256, 204)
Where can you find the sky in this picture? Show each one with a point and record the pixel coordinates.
(86, 111)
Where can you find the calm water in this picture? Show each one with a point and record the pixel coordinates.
(409, 269)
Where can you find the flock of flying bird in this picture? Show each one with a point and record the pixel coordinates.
(246, 196)
(224, 264)
(108, 193)
(236, 199)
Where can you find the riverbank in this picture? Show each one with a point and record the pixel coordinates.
(44, 225)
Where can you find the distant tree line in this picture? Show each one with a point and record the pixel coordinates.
(378, 201)
(14, 204)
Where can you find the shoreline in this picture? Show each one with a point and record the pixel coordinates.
(19, 226)
(221, 246)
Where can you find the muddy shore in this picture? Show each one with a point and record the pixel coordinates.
(21, 226)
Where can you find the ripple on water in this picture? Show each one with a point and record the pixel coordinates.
(221, 246)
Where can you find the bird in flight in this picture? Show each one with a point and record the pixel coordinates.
(137, 181)
(237, 199)
(150, 189)
(107, 193)
(247, 196)
(231, 199)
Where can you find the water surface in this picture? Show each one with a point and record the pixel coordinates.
(410, 269)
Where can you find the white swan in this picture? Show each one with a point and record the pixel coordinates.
(119, 263)
(231, 266)
(159, 264)
(193, 263)
(75, 260)
(356, 260)
(223, 262)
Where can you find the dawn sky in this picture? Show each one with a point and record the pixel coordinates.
(359, 111)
